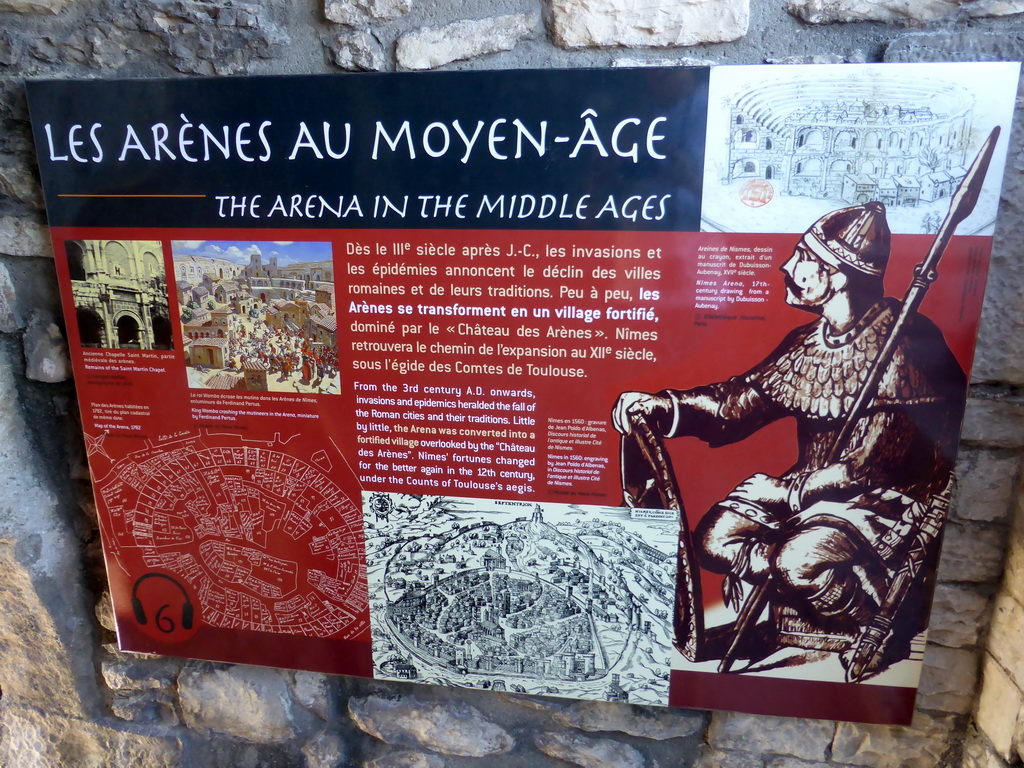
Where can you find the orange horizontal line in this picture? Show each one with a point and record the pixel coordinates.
(131, 195)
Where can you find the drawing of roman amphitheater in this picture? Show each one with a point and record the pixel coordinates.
(841, 140)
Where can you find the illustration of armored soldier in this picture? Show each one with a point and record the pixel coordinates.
(836, 551)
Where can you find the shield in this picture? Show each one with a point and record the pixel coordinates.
(648, 482)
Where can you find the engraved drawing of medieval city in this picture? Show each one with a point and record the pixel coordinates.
(555, 599)
(793, 143)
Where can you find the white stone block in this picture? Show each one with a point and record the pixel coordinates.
(451, 730)
(359, 51)
(251, 703)
(999, 708)
(607, 23)
(432, 47)
(358, 12)
(1006, 636)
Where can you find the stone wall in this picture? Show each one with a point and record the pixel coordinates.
(68, 697)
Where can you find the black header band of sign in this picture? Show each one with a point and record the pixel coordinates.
(573, 150)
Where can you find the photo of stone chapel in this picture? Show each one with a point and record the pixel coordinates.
(120, 293)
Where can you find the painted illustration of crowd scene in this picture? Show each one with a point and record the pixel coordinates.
(258, 316)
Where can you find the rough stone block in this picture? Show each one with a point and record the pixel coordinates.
(30, 739)
(358, 51)
(919, 745)
(895, 11)
(451, 730)
(536, 704)
(979, 753)
(814, 58)
(313, 691)
(356, 13)
(986, 482)
(30, 644)
(608, 23)
(806, 739)
(46, 352)
(957, 45)
(432, 47)
(587, 752)
(33, 286)
(325, 750)
(34, 6)
(105, 612)
(251, 703)
(10, 49)
(999, 708)
(793, 762)
(958, 614)
(406, 760)
(1006, 636)
(972, 553)
(1000, 351)
(211, 39)
(635, 721)
(1013, 583)
(100, 48)
(126, 674)
(998, 423)
(17, 181)
(713, 758)
(22, 236)
(155, 707)
(10, 318)
(948, 680)
(682, 61)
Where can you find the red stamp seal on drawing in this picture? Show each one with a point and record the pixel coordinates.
(756, 193)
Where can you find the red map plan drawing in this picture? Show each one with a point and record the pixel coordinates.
(262, 538)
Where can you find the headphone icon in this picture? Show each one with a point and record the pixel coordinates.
(164, 623)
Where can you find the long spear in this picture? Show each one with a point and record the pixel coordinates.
(962, 204)
(868, 653)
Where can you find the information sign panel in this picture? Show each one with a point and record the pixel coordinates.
(633, 385)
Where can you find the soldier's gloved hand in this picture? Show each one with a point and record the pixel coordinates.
(644, 403)
(762, 489)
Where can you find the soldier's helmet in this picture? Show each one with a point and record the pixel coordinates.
(855, 237)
